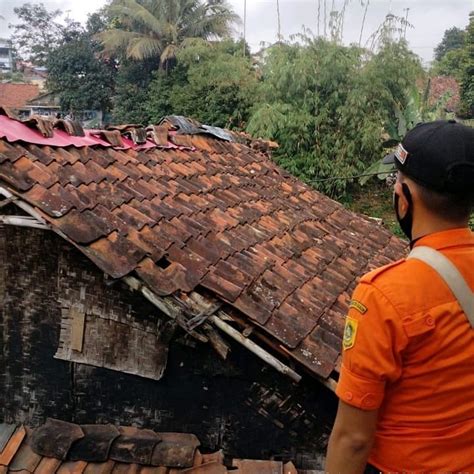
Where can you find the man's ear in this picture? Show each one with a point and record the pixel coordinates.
(403, 203)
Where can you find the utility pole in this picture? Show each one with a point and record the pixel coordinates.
(245, 26)
(363, 22)
(325, 18)
(319, 16)
(406, 24)
(279, 20)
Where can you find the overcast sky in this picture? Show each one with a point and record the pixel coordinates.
(430, 18)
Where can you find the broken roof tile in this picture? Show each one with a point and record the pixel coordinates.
(6, 432)
(25, 458)
(10, 449)
(164, 281)
(55, 438)
(115, 254)
(134, 446)
(96, 444)
(175, 450)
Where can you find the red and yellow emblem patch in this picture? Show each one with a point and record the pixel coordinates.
(350, 333)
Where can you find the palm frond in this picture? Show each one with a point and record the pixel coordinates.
(144, 47)
(133, 11)
(115, 39)
(210, 19)
(169, 53)
(158, 27)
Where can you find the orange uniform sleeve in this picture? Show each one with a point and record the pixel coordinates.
(373, 342)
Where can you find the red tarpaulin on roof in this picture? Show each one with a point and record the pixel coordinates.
(13, 131)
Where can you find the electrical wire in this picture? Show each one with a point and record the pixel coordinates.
(348, 178)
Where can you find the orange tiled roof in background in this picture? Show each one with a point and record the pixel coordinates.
(194, 216)
(15, 96)
(442, 86)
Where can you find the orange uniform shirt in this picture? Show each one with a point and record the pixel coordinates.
(409, 352)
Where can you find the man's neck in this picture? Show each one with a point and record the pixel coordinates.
(427, 226)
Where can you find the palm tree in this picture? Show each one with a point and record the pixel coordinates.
(157, 28)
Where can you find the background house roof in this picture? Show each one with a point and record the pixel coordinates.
(16, 96)
(192, 214)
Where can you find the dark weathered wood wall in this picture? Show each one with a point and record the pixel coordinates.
(240, 405)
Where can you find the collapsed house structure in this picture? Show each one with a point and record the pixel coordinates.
(173, 278)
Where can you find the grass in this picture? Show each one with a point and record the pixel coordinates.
(374, 200)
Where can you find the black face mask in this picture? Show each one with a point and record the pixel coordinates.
(406, 222)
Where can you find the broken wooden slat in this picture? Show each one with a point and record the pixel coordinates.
(257, 350)
(23, 205)
(216, 341)
(77, 328)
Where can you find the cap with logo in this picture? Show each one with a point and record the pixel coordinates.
(438, 155)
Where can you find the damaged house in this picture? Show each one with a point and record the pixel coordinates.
(173, 279)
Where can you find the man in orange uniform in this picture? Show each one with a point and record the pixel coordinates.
(406, 390)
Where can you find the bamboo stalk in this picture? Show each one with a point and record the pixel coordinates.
(23, 205)
(23, 221)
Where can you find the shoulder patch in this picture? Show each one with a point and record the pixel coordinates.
(358, 306)
(371, 276)
(350, 333)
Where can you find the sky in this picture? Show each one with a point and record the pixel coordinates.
(430, 18)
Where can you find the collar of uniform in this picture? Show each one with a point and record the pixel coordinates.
(447, 238)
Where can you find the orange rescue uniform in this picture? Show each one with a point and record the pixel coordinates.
(409, 352)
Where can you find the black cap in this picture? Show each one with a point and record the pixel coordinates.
(438, 155)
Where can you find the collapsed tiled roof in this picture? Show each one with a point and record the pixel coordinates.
(65, 448)
(16, 96)
(198, 214)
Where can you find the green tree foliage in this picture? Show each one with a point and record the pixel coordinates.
(144, 29)
(81, 78)
(467, 77)
(453, 39)
(131, 96)
(452, 63)
(328, 105)
(212, 83)
(16, 76)
(37, 32)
